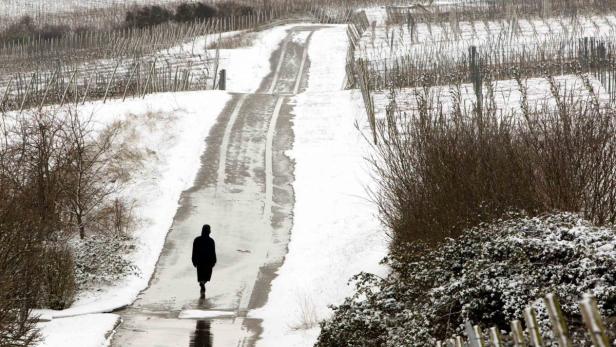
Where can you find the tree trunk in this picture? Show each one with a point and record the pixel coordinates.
(82, 231)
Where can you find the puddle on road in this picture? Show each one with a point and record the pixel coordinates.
(202, 336)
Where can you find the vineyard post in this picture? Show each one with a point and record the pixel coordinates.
(85, 94)
(130, 77)
(47, 87)
(23, 102)
(475, 338)
(6, 93)
(147, 81)
(517, 334)
(530, 318)
(67, 87)
(495, 337)
(110, 81)
(593, 321)
(559, 325)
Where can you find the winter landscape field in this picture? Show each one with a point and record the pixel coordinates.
(324, 173)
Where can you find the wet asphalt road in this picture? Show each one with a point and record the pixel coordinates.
(244, 191)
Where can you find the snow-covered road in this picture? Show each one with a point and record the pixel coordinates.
(243, 190)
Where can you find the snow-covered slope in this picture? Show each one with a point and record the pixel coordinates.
(336, 233)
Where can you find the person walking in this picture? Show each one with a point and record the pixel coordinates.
(204, 256)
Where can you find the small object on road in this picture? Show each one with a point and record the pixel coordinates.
(204, 257)
(222, 80)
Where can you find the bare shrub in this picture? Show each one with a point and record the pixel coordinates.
(21, 229)
(33, 158)
(116, 217)
(573, 150)
(307, 315)
(58, 277)
(441, 171)
(26, 29)
(188, 12)
(19, 281)
(145, 16)
(89, 179)
(236, 41)
(234, 9)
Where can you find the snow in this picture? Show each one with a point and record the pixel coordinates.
(83, 331)
(336, 233)
(507, 94)
(248, 66)
(448, 42)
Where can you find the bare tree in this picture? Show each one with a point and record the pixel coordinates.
(89, 179)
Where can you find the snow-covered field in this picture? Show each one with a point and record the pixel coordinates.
(507, 94)
(441, 45)
(336, 233)
(192, 56)
(451, 40)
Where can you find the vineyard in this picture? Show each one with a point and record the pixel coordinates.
(92, 60)
(399, 50)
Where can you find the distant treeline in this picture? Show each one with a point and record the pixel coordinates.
(136, 17)
(145, 16)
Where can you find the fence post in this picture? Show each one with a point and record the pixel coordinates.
(147, 80)
(23, 101)
(530, 318)
(6, 93)
(517, 334)
(67, 87)
(110, 81)
(222, 80)
(48, 87)
(128, 83)
(495, 337)
(474, 335)
(593, 321)
(559, 325)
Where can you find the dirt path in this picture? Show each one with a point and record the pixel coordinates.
(244, 191)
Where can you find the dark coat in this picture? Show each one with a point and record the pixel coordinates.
(204, 257)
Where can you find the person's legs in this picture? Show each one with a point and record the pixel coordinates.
(200, 278)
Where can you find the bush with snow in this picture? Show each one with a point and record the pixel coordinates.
(487, 276)
(101, 260)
